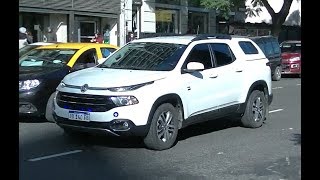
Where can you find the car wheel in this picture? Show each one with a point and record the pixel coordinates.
(256, 110)
(277, 74)
(49, 109)
(163, 128)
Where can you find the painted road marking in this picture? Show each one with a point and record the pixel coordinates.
(275, 110)
(298, 84)
(54, 155)
(277, 88)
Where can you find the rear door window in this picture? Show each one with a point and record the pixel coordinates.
(268, 48)
(276, 46)
(222, 54)
(248, 47)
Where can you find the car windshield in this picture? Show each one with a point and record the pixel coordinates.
(47, 57)
(291, 47)
(145, 56)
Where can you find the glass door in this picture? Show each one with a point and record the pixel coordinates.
(87, 30)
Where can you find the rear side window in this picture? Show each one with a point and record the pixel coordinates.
(248, 48)
(276, 46)
(222, 53)
(268, 48)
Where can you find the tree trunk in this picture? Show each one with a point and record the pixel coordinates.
(276, 29)
(276, 25)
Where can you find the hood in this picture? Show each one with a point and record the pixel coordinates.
(102, 77)
(287, 56)
(41, 72)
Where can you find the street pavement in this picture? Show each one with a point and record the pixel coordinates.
(219, 149)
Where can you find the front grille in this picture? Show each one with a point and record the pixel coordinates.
(84, 102)
(285, 67)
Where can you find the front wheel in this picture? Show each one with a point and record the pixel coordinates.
(163, 128)
(256, 110)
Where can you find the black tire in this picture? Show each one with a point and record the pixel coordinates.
(162, 136)
(277, 74)
(49, 109)
(254, 116)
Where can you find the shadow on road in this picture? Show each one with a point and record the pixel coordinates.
(136, 142)
(207, 127)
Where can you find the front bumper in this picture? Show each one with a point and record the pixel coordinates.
(106, 128)
(33, 103)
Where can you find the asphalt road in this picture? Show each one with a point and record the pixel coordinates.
(218, 149)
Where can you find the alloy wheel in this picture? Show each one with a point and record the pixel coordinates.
(165, 126)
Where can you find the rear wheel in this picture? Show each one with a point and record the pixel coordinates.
(256, 110)
(277, 74)
(163, 129)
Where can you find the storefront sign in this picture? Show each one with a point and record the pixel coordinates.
(164, 15)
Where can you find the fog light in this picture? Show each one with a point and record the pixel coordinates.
(27, 108)
(120, 125)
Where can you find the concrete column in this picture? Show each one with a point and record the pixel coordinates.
(71, 27)
(212, 22)
(184, 17)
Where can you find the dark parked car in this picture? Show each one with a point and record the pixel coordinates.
(291, 57)
(43, 68)
(271, 48)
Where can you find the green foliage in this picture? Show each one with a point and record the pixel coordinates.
(224, 6)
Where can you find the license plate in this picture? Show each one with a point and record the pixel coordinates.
(79, 116)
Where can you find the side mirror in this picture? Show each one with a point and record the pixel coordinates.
(194, 66)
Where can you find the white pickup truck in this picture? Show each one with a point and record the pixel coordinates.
(153, 87)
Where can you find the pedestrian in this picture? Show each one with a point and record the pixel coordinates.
(97, 38)
(23, 37)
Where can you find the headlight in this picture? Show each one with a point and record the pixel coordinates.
(128, 88)
(124, 100)
(28, 84)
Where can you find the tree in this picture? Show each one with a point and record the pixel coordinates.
(225, 6)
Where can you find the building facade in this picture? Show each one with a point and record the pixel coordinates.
(69, 20)
(79, 20)
(168, 17)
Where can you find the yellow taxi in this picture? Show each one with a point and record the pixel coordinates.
(43, 68)
(78, 55)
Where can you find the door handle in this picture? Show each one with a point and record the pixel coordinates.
(238, 70)
(213, 76)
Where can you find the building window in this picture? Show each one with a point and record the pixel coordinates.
(167, 21)
(197, 23)
(175, 2)
(194, 3)
(87, 30)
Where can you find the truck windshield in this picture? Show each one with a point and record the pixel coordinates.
(145, 56)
